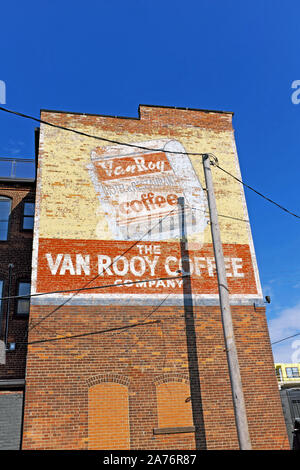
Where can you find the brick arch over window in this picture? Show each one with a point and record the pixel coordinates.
(108, 413)
(96, 379)
(173, 396)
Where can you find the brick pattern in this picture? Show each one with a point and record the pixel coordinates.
(61, 373)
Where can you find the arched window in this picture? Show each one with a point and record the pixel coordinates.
(108, 425)
(5, 208)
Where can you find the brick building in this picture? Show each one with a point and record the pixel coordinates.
(124, 353)
(17, 196)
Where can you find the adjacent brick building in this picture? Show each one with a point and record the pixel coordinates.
(17, 197)
(132, 356)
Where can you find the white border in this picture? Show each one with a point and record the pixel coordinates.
(147, 299)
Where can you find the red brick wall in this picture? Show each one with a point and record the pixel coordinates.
(60, 375)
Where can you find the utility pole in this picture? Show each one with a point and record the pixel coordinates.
(2, 352)
(232, 358)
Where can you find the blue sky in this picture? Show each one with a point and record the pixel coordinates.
(107, 57)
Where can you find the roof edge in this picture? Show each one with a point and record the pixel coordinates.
(139, 107)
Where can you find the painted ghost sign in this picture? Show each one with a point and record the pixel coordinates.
(108, 215)
(138, 190)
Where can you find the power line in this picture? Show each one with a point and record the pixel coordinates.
(97, 332)
(102, 331)
(150, 314)
(252, 189)
(94, 332)
(104, 139)
(141, 281)
(143, 322)
(31, 327)
(284, 339)
(219, 215)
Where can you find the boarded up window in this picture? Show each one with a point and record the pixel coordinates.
(174, 405)
(108, 417)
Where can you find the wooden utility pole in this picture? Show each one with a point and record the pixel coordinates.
(232, 358)
(2, 352)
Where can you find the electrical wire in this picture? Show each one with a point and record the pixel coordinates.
(96, 332)
(84, 134)
(219, 215)
(149, 315)
(215, 163)
(91, 288)
(286, 338)
(143, 322)
(32, 326)
(252, 189)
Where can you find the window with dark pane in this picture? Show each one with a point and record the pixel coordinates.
(23, 304)
(28, 216)
(5, 208)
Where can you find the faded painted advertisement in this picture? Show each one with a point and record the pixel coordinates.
(108, 221)
(138, 190)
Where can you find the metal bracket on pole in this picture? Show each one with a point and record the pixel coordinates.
(232, 358)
